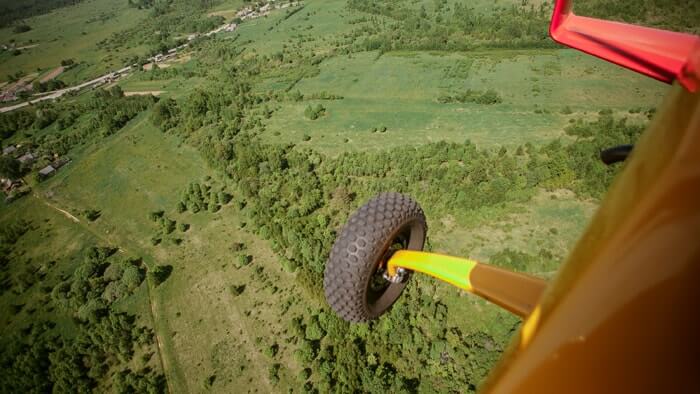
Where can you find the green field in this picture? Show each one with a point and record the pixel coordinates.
(82, 27)
(400, 90)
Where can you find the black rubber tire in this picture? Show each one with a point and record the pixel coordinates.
(360, 249)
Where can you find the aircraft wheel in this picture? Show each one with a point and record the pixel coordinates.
(354, 280)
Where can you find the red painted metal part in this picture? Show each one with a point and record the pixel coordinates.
(660, 54)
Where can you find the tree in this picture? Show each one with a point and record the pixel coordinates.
(132, 278)
(21, 28)
(92, 214)
(116, 91)
(9, 167)
(160, 274)
(245, 259)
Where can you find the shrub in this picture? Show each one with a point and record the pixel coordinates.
(272, 350)
(244, 259)
(23, 28)
(237, 290)
(160, 274)
(237, 247)
(224, 198)
(132, 278)
(168, 225)
(114, 291)
(92, 214)
(155, 215)
(314, 113)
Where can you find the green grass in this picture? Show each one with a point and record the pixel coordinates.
(81, 27)
(399, 90)
(522, 227)
(317, 22)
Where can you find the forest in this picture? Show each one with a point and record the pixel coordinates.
(99, 340)
(12, 11)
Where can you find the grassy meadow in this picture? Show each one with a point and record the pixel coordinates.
(82, 26)
(399, 91)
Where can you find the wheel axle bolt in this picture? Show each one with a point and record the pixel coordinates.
(398, 278)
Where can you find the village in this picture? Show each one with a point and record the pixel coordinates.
(25, 162)
(23, 89)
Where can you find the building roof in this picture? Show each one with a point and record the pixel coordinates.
(60, 162)
(47, 170)
(27, 157)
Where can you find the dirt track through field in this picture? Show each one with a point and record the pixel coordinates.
(144, 93)
(53, 74)
(65, 213)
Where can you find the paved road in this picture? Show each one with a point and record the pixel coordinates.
(61, 92)
(103, 79)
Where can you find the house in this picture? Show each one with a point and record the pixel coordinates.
(9, 184)
(58, 163)
(26, 158)
(47, 171)
(6, 184)
(9, 150)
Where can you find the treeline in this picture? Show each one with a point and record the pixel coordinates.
(168, 21)
(488, 97)
(76, 122)
(449, 26)
(12, 11)
(48, 86)
(202, 197)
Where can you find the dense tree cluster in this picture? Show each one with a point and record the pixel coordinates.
(202, 197)
(676, 15)
(168, 21)
(297, 198)
(48, 86)
(314, 112)
(488, 97)
(95, 341)
(77, 123)
(450, 26)
(11, 122)
(12, 11)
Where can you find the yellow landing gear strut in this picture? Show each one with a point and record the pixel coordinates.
(515, 292)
